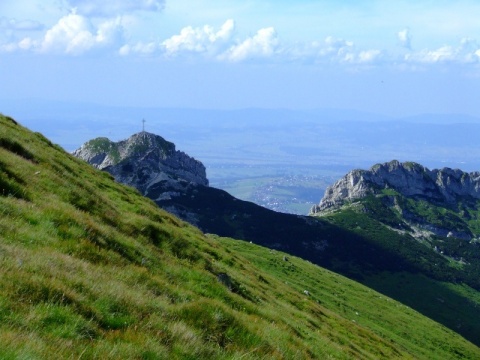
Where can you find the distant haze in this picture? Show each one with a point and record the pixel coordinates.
(278, 158)
(266, 136)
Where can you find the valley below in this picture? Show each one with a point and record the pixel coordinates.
(276, 188)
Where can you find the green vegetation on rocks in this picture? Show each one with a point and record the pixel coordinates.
(416, 249)
(104, 145)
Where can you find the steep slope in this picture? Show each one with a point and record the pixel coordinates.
(335, 242)
(176, 190)
(91, 269)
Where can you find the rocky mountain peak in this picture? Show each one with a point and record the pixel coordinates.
(143, 160)
(409, 179)
(102, 152)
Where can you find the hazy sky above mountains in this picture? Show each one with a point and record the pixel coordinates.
(398, 58)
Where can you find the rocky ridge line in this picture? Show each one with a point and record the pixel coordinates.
(409, 179)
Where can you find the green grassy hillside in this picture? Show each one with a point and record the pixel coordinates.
(436, 275)
(91, 269)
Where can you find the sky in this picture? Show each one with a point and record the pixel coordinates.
(396, 58)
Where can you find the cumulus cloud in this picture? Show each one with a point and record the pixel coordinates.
(337, 50)
(405, 38)
(442, 54)
(221, 45)
(368, 56)
(199, 40)
(115, 7)
(139, 48)
(26, 44)
(218, 44)
(467, 51)
(262, 44)
(75, 34)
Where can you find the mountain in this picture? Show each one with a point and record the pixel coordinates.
(136, 157)
(442, 202)
(149, 163)
(445, 186)
(177, 183)
(351, 241)
(92, 269)
(429, 219)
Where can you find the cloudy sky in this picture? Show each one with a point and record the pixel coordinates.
(391, 57)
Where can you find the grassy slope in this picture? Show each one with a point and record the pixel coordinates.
(414, 274)
(90, 269)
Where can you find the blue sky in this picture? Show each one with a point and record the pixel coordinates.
(397, 58)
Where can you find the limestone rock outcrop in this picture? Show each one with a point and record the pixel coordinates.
(409, 179)
(142, 161)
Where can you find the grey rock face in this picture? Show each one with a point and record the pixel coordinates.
(409, 179)
(142, 161)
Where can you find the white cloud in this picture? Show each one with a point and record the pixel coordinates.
(109, 32)
(115, 7)
(20, 25)
(405, 38)
(9, 47)
(26, 44)
(262, 44)
(444, 53)
(466, 52)
(139, 48)
(199, 40)
(331, 49)
(368, 56)
(75, 34)
(335, 50)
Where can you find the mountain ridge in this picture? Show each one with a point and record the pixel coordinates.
(410, 179)
(445, 188)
